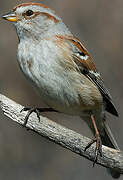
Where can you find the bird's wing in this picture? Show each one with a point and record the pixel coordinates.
(86, 66)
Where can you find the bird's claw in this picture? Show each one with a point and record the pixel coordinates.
(98, 149)
(30, 111)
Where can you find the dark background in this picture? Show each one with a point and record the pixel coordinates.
(25, 155)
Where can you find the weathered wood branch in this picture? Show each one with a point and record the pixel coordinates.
(62, 136)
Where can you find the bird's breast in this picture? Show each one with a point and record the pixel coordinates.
(62, 89)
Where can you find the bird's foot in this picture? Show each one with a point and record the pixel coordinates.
(37, 111)
(98, 149)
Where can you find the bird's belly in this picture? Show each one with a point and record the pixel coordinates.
(67, 95)
(65, 91)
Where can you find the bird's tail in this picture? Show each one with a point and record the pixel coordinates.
(108, 140)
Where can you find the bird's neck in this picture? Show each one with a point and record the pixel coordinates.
(36, 34)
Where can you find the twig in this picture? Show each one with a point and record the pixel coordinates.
(62, 136)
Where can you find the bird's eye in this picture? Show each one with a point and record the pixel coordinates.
(29, 13)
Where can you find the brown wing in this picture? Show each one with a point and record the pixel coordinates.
(86, 66)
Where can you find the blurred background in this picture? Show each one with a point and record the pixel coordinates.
(24, 154)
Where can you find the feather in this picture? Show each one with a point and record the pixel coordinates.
(86, 66)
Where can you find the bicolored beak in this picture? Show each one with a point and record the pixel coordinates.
(10, 17)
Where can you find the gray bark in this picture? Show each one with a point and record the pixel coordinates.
(61, 135)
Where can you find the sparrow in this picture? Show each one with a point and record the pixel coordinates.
(62, 71)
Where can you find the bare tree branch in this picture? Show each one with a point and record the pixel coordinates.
(62, 136)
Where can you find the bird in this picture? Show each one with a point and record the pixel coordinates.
(62, 71)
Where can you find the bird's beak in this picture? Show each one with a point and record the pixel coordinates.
(10, 17)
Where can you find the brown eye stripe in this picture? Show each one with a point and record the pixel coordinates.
(31, 3)
(52, 18)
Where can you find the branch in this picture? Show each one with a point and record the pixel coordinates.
(60, 135)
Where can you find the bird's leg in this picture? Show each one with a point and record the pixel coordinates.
(37, 111)
(97, 139)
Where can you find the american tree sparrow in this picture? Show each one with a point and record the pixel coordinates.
(62, 71)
